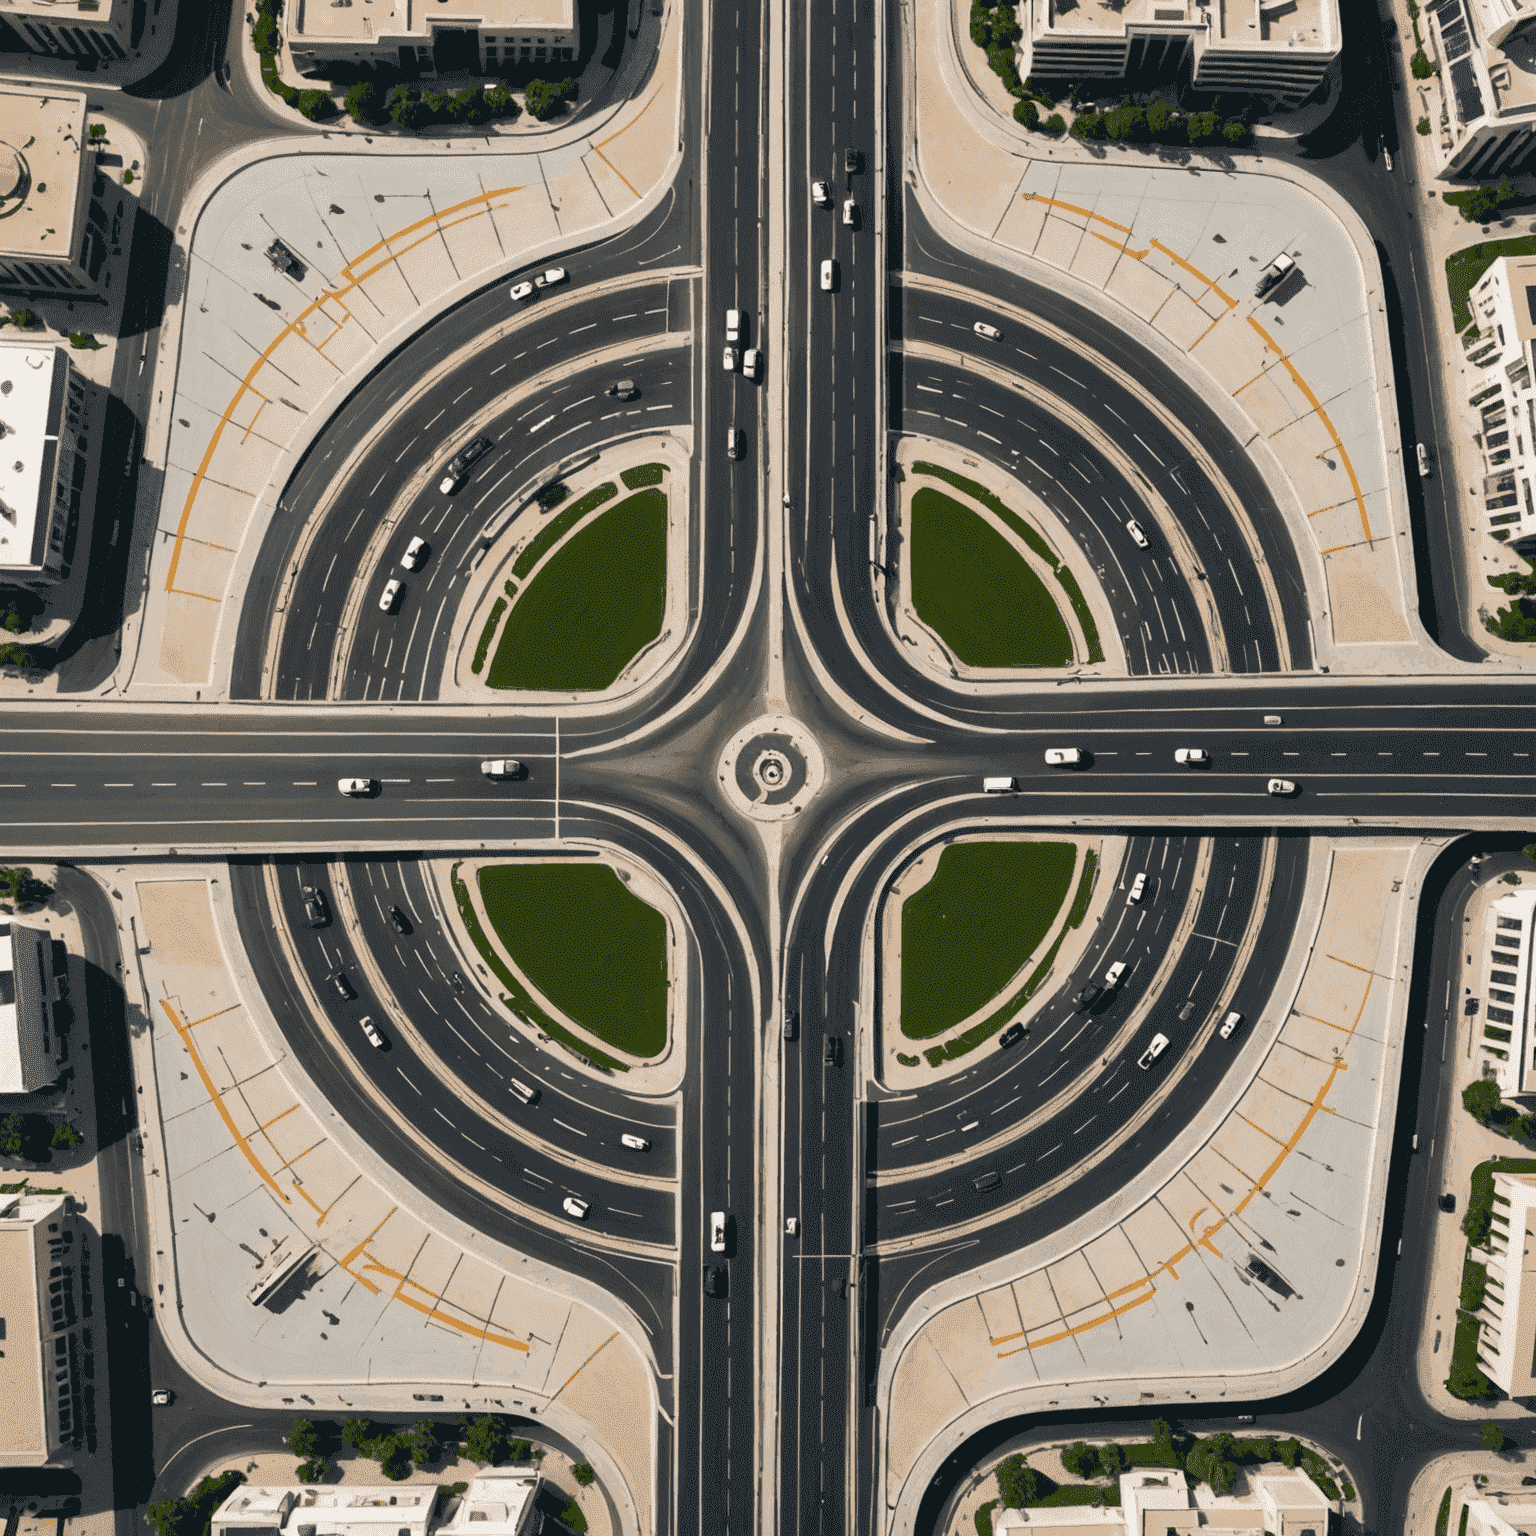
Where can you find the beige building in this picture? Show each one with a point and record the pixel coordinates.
(29, 1046)
(78, 29)
(1277, 49)
(497, 1503)
(1281, 1502)
(1494, 1515)
(1507, 1316)
(42, 1364)
(48, 247)
(45, 461)
(1503, 304)
(1487, 53)
(1507, 1038)
(430, 36)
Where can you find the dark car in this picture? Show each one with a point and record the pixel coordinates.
(398, 920)
(987, 1181)
(1448, 1202)
(1011, 1036)
(456, 981)
(316, 913)
(1088, 996)
(829, 1051)
(341, 986)
(714, 1280)
(624, 389)
(852, 161)
(791, 1024)
(1470, 1007)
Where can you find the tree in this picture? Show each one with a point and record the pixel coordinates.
(409, 112)
(421, 1439)
(23, 318)
(1027, 113)
(1481, 1099)
(364, 104)
(1493, 1436)
(1127, 121)
(1081, 1459)
(544, 98)
(553, 494)
(394, 1457)
(189, 1516)
(1086, 125)
(1162, 1434)
(1159, 115)
(519, 1451)
(303, 1439)
(19, 887)
(312, 1471)
(1235, 131)
(13, 1131)
(500, 102)
(1513, 622)
(358, 1433)
(1422, 126)
(1210, 1460)
(484, 1439)
(585, 1476)
(1055, 123)
(1201, 127)
(1288, 1452)
(65, 1137)
(1018, 1484)
(315, 105)
(1420, 65)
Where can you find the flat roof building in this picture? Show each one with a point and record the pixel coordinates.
(29, 1053)
(44, 463)
(75, 29)
(1488, 62)
(1507, 1317)
(1276, 49)
(497, 1503)
(1495, 1515)
(443, 37)
(1507, 1037)
(47, 244)
(41, 1366)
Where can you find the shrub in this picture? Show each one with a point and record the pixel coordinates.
(1159, 115)
(544, 98)
(1479, 204)
(1512, 623)
(1127, 121)
(1422, 126)
(1027, 113)
(1081, 1459)
(19, 887)
(552, 495)
(65, 1136)
(364, 104)
(190, 1516)
(984, 1517)
(1086, 125)
(1041, 91)
(409, 112)
(584, 1474)
(1017, 1482)
(23, 317)
(1235, 131)
(908, 1061)
(317, 106)
(312, 1471)
(83, 341)
(1288, 1452)
(1492, 1435)
(500, 102)
(1113, 1460)
(1055, 123)
(1481, 1099)
(1420, 65)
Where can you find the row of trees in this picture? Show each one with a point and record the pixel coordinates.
(486, 1438)
(1134, 122)
(35, 1138)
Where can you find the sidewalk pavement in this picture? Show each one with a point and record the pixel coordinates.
(248, 1164)
(1305, 381)
(260, 359)
(1240, 1263)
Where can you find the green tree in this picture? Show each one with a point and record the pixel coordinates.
(1127, 121)
(189, 1516)
(364, 104)
(23, 317)
(1235, 131)
(1420, 65)
(1201, 127)
(544, 98)
(1159, 115)
(1086, 125)
(358, 1433)
(500, 102)
(13, 1133)
(1422, 126)
(1113, 1460)
(65, 1137)
(1481, 1099)
(1210, 1460)
(421, 1441)
(1081, 1459)
(409, 112)
(303, 1439)
(315, 1471)
(519, 1451)
(1493, 1436)
(1288, 1452)
(1018, 1484)
(393, 1454)
(1027, 113)
(1162, 1435)
(552, 495)
(583, 1473)
(19, 887)
(1513, 622)
(317, 106)
(1055, 123)
(484, 1439)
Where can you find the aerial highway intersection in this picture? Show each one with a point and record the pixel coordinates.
(769, 780)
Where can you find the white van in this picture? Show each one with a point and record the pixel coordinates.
(1230, 1023)
(733, 325)
(1158, 1046)
(828, 276)
(999, 785)
(521, 1090)
(717, 1231)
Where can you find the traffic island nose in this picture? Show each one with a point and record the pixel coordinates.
(771, 768)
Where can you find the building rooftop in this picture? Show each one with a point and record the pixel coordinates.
(494, 1504)
(365, 20)
(32, 382)
(327, 1511)
(23, 1424)
(40, 167)
(98, 12)
(1269, 23)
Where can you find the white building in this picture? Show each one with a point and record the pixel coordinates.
(1503, 304)
(430, 36)
(1507, 1037)
(1282, 1502)
(1488, 73)
(42, 1364)
(77, 29)
(497, 1503)
(44, 460)
(1277, 49)
(29, 1047)
(48, 246)
(1495, 1515)
(1508, 1315)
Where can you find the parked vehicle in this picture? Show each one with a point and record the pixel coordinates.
(1274, 274)
(1423, 457)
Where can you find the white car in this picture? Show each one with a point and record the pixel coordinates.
(732, 357)
(1138, 889)
(501, 768)
(733, 325)
(388, 596)
(574, 1208)
(1423, 460)
(1114, 973)
(1272, 720)
(522, 1091)
(791, 1226)
(752, 362)
(717, 1231)
(521, 291)
(1063, 757)
(355, 786)
(415, 553)
(850, 212)
(828, 276)
(1138, 537)
(1230, 1023)
(160, 1397)
(375, 1039)
(1281, 787)
(733, 442)
(549, 277)
(819, 194)
(635, 1143)
(1158, 1046)
(987, 332)
(1192, 757)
